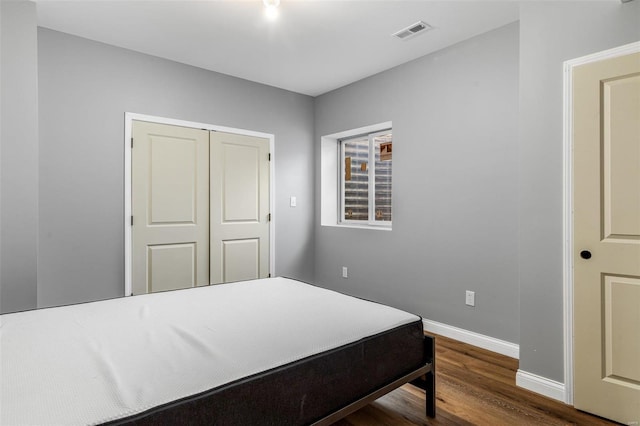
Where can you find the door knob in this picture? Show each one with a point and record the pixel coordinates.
(585, 254)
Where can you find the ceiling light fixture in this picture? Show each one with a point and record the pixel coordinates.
(271, 8)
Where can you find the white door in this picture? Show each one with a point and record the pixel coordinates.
(606, 103)
(170, 207)
(239, 207)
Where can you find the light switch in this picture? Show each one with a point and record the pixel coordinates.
(293, 202)
(470, 298)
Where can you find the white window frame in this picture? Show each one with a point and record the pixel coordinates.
(371, 182)
(330, 179)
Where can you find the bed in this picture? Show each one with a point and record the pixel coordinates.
(264, 352)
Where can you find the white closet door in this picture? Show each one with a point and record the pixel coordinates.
(239, 207)
(170, 206)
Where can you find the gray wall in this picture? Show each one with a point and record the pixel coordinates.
(19, 158)
(477, 203)
(455, 194)
(85, 88)
(551, 33)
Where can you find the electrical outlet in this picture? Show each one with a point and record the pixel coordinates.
(345, 273)
(470, 298)
(293, 201)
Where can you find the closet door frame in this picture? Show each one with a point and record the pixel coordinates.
(128, 121)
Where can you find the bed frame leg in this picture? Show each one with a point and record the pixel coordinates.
(428, 380)
(430, 388)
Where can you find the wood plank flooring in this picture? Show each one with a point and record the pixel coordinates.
(473, 387)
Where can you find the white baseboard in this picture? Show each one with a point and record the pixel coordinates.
(480, 340)
(542, 385)
(538, 384)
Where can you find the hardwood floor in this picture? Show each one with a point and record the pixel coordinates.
(473, 387)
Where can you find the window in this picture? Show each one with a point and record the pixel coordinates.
(365, 183)
(332, 177)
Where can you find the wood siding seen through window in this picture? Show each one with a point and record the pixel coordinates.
(359, 204)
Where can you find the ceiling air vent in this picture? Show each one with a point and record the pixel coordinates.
(412, 30)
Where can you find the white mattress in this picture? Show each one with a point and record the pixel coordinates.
(101, 361)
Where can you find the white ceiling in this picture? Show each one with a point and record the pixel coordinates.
(312, 47)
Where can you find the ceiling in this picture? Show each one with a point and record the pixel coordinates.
(314, 46)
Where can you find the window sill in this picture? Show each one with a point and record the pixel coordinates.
(371, 227)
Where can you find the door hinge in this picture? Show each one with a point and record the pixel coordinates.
(131, 143)
(269, 156)
(269, 217)
(131, 220)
